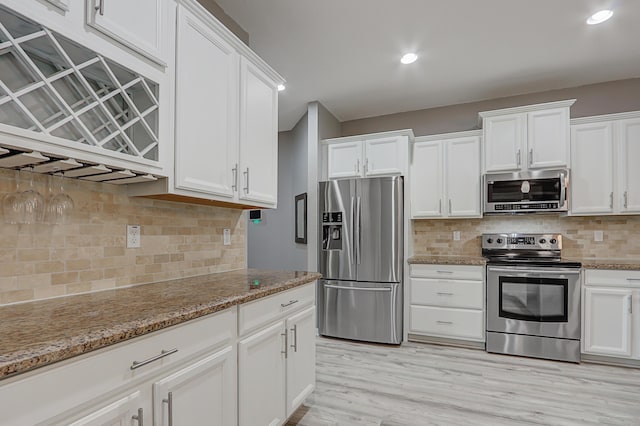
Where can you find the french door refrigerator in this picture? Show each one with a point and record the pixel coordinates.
(361, 259)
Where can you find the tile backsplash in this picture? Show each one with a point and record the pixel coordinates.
(89, 252)
(621, 234)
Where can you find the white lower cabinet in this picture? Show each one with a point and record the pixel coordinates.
(117, 413)
(611, 317)
(447, 302)
(276, 363)
(202, 390)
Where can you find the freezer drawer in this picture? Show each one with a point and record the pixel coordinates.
(370, 312)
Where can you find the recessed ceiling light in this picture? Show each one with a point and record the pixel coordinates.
(281, 87)
(409, 58)
(600, 17)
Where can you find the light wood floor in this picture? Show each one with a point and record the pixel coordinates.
(420, 384)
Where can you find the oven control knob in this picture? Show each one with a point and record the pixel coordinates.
(490, 240)
(542, 241)
(553, 241)
(499, 241)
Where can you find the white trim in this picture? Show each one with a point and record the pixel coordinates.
(443, 136)
(526, 108)
(605, 117)
(404, 132)
(199, 11)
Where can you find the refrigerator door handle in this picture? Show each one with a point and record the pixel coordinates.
(352, 221)
(358, 231)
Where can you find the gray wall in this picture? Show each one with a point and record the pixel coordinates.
(226, 20)
(271, 244)
(594, 99)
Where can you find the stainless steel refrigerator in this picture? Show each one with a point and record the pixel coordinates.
(361, 259)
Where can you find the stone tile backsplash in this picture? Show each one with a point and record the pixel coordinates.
(621, 234)
(89, 252)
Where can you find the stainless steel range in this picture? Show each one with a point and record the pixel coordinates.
(533, 297)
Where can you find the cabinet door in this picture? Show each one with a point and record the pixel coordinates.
(462, 171)
(592, 168)
(503, 141)
(117, 413)
(344, 160)
(607, 321)
(548, 138)
(261, 377)
(629, 149)
(301, 361)
(203, 392)
(135, 24)
(206, 109)
(385, 156)
(426, 180)
(258, 136)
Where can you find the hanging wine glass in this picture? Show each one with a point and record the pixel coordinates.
(59, 205)
(34, 204)
(12, 206)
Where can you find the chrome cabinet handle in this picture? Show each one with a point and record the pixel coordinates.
(440, 206)
(626, 201)
(286, 343)
(444, 294)
(234, 186)
(139, 417)
(633, 279)
(291, 302)
(358, 166)
(518, 157)
(100, 7)
(445, 272)
(294, 330)
(246, 188)
(449, 205)
(365, 166)
(444, 322)
(531, 156)
(630, 304)
(611, 199)
(162, 354)
(169, 401)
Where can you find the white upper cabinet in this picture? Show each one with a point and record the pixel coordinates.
(605, 152)
(380, 154)
(258, 135)
(206, 98)
(529, 137)
(629, 155)
(135, 24)
(445, 176)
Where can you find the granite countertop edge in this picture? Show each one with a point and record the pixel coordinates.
(429, 259)
(16, 362)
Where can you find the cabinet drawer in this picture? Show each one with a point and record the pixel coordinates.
(447, 322)
(73, 382)
(458, 272)
(259, 312)
(617, 278)
(447, 293)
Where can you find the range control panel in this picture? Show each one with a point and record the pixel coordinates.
(516, 241)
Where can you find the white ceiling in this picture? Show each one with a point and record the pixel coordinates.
(345, 53)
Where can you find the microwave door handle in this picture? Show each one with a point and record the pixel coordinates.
(563, 190)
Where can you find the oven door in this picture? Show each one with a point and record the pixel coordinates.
(536, 301)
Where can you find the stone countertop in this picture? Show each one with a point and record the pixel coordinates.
(39, 333)
(446, 260)
(600, 263)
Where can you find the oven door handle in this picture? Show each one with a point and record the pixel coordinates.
(566, 271)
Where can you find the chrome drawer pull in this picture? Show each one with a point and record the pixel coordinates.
(633, 279)
(444, 294)
(445, 322)
(162, 354)
(291, 302)
(445, 272)
(286, 344)
(294, 330)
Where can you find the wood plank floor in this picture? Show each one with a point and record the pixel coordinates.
(421, 384)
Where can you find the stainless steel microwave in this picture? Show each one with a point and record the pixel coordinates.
(534, 191)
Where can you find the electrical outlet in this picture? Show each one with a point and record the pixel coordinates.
(133, 236)
(456, 235)
(598, 236)
(226, 236)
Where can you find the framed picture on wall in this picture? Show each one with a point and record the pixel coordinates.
(300, 206)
